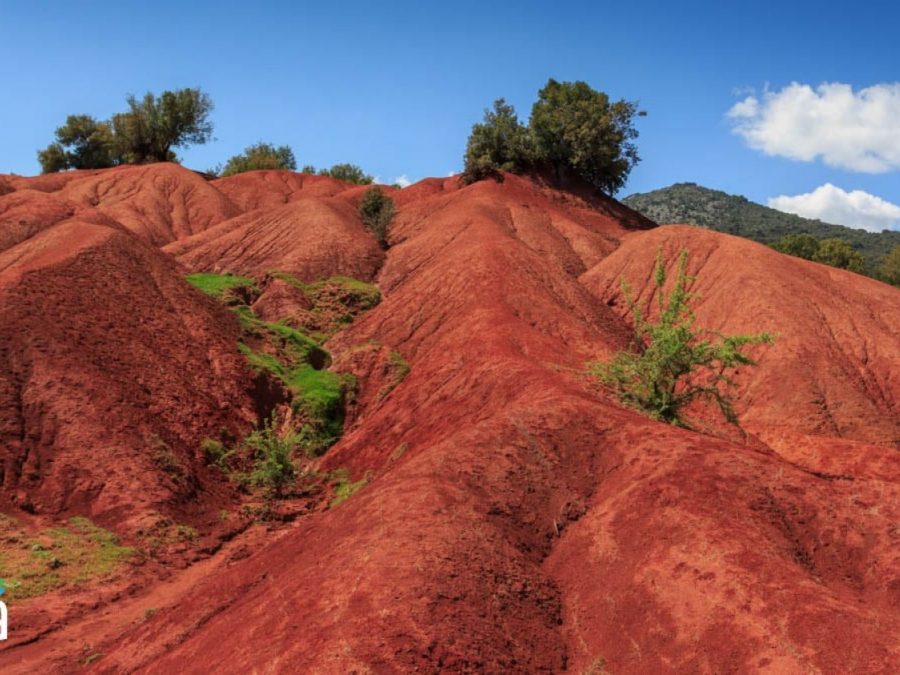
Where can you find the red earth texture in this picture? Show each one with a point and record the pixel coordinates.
(515, 517)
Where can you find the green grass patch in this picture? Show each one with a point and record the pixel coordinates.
(320, 390)
(344, 488)
(58, 557)
(399, 370)
(347, 289)
(217, 285)
(319, 397)
(302, 347)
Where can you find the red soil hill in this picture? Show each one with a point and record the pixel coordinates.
(517, 520)
(311, 238)
(158, 202)
(269, 188)
(112, 370)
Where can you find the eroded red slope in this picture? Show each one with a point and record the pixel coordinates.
(158, 202)
(834, 369)
(112, 370)
(269, 188)
(518, 520)
(311, 238)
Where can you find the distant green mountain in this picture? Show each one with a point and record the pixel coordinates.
(696, 205)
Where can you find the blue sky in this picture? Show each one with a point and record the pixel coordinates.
(395, 87)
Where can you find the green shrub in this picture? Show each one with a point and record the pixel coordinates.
(153, 125)
(273, 466)
(889, 267)
(838, 253)
(377, 210)
(81, 143)
(672, 363)
(216, 453)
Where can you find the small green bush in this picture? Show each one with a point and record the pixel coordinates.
(377, 210)
(889, 267)
(273, 463)
(216, 453)
(671, 363)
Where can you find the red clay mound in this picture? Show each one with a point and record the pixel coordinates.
(26, 212)
(311, 239)
(833, 370)
(112, 371)
(517, 520)
(158, 202)
(267, 189)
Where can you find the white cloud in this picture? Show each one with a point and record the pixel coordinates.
(859, 131)
(834, 205)
(403, 181)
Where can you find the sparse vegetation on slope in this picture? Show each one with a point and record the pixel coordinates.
(672, 363)
(294, 355)
(344, 488)
(218, 285)
(36, 563)
(273, 466)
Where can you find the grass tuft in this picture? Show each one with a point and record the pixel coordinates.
(217, 285)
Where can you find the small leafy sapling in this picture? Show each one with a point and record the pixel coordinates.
(670, 362)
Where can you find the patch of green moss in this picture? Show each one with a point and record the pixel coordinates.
(249, 323)
(261, 361)
(362, 294)
(294, 353)
(217, 285)
(400, 366)
(302, 347)
(348, 291)
(319, 390)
